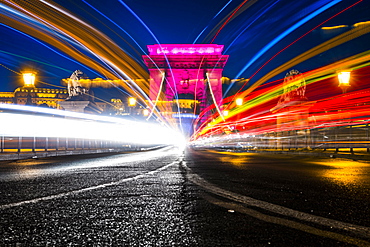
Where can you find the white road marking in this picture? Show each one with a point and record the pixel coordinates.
(361, 230)
(74, 192)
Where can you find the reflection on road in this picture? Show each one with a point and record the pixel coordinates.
(345, 172)
(342, 172)
(27, 169)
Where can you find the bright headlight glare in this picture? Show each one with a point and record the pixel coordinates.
(89, 127)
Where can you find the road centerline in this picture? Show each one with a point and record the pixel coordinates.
(249, 201)
(74, 192)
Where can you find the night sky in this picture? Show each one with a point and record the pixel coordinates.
(252, 32)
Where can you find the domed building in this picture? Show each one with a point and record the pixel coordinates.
(29, 94)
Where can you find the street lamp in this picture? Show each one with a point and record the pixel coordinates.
(343, 78)
(239, 101)
(132, 105)
(29, 78)
(131, 101)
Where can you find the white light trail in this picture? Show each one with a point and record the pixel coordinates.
(80, 125)
(213, 98)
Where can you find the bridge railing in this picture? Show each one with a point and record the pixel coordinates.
(35, 131)
(355, 136)
(17, 144)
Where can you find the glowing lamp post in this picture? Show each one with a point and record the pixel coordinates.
(131, 101)
(343, 78)
(131, 104)
(146, 112)
(29, 79)
(239, 101)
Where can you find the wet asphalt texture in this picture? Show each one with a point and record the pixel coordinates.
(124, 200)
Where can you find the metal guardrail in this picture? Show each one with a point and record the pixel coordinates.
(14, 148)
(17, 144)
(339, 138)
(31, 130)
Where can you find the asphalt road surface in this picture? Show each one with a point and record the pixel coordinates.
(201, 198)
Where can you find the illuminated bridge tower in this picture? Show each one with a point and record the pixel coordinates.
(185, 79)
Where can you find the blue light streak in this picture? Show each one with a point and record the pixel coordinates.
(250, 24)
(139, 19)
(115, 25)
(285, 33)
(155, 38)
(34, 60)
(60, 54)
(196, 39)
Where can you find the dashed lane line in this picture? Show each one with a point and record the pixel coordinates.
(249, 201)
(288, 223)
(100, 186)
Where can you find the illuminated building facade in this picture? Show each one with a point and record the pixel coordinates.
(28, 94)
(126, 108)
(185, 79)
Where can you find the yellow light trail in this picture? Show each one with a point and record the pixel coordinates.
(336, 41)
(54, 25)
(334, 27)
(354, 62)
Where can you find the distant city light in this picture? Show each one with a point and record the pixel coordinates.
(239, 101)
(184, 115)
(131, 101)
